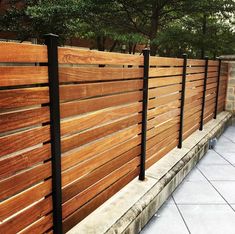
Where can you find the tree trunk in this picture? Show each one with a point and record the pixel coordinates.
(154, 30)
(130, 45)
(100, 41)
(113, 46)
(134, 48)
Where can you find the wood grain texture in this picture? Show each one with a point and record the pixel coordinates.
(72, 92)
(23, 97)
(27, 217)
(11, 165)
(162, 136)
(196, 62)
(212, 80)
(190, 92)
(213, 63)
(192, 111)
(166, 90)
(85, 106)
(22, 75)
(163, 100)
(96, 147)
(191, 105)
(195, 70)
(41, 226)
(78, 56)
(162, 127)
(157, 147)
(169, 71)
(90, 206)
(193, 98)
(19, 182)
(163, 61)
(102, 164)
(18, 141)
(96, 176)
(163, 109)
(194, 84)
(78, 74)
(191, 131)
(21, 119)
(22, 53)
(193, 119)
(161, 153)
(24, 199)
(98, 118)
(158, 82)
(213, 69)
(162, 118)
(212, 74)
(88, 136)
(86, 195)
(192, 77)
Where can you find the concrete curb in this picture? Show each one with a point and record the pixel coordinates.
(130, 209)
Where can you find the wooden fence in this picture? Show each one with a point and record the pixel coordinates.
(74, 153)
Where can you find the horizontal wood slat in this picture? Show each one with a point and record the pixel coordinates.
(24, 199)
(162, 118)
(22, 140)
(96, 147)
(71, 92)
(90, 206)
(27, 217)
(21, 119)
(78, 56)
(162, 136)
(163, 100)
(25, 179)
(78, 74)
(22, 75)
(163, 61)
(11, 165)
(76, 202)
(163, 109)
(213, 63)
(94, 169)
(77, 140)
(41, 226)
(23, 97)
(196, 62)
(172, 71)
(157, 147)
(158, 82)
(162, 127)
(166, 90)
(22, 53)
(97, 118)
(195, 70)
(192, 77)
(162, 152)
(80, 107)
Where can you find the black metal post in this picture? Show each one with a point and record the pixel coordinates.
(182, 101)
(146, 53)
(51, 41)
(204, 93)
(217, 90)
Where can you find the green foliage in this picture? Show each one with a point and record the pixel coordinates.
(170, 27)
(36, 18)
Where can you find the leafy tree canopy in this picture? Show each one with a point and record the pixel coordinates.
(170, 27)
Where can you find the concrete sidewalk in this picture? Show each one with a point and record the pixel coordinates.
(205, 201)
